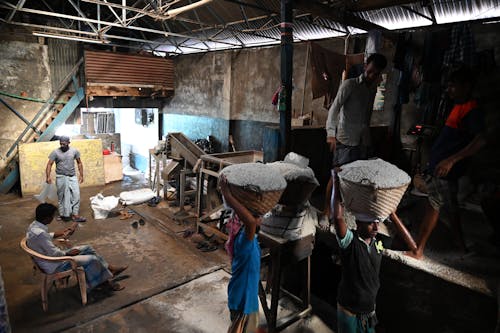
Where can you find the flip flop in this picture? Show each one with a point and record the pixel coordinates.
(79, 219)
(208, 248)
(201, 245)
(116, 286)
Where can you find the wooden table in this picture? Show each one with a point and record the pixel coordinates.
(283, 252)
(210, 166)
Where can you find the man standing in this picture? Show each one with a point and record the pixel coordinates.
(460, 138)
(97, 270)
(68, 190)
(348, 122)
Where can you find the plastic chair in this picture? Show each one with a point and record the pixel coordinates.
(49, 279)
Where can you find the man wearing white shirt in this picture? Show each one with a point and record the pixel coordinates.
(97, 270)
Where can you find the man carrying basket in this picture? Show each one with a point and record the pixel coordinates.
(361, 256)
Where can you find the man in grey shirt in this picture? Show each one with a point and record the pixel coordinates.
(68, 190)
(348, 122)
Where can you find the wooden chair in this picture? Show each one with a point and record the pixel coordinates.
(57, 277)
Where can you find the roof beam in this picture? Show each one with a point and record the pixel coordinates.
(411, 10)
(336, 15)
(364, 5)
(112, 24)
(19, 5)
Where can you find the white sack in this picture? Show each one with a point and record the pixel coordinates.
(101, 205)
(136, 196)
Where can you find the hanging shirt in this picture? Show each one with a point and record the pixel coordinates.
(349, 116)
(243, 289)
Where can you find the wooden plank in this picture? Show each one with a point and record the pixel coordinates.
(113, 169)
(127, 91)
(33, 158)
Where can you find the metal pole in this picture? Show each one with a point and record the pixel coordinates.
(20, 116)
(286, 28)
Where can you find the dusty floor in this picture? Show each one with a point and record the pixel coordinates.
(170, 286)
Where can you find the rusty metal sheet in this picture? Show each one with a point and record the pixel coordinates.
(105, 69)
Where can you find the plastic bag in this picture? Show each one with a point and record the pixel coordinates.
(48, 193)
(101, 205)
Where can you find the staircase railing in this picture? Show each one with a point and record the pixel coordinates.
(46, 106)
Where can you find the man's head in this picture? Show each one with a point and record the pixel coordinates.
(374, 66)
(45, 213)
(460, 83)
(367, 228)
(64, 142)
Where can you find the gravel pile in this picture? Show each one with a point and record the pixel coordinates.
(293, 172)
(255, 174)
(377, 172)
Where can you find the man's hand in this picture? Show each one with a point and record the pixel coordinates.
(332, 143)
(80, 179)
(49, 180)
(444, 167)
(73, 252)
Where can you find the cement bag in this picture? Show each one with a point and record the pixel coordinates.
(137, 196)
(101, 205)
(372, 187)
(282, 223)
(48, 193)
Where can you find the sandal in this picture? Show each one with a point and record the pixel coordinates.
(77, 218)
(116, 286)
(208, 248)
(201, 245)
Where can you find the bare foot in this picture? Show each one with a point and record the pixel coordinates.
(117, 270)
(414, 254)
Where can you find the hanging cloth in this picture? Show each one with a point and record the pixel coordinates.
(327, 70)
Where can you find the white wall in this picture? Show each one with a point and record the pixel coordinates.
(135, 138)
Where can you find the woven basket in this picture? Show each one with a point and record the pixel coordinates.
(255, 200)
(367, 199)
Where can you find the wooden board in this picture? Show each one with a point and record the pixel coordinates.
(113, 169)
(33, 158)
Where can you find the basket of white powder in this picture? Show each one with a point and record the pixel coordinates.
(257, 186)
(372, 187)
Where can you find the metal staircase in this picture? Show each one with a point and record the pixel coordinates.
(42, 127)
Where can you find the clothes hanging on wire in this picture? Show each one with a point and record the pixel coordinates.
(462, 46)
(373, 42)
(327, 70)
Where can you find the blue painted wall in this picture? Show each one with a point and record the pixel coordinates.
(139, 162)
(198, 127)
(248, 134)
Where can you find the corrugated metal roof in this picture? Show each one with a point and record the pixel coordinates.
(254, 32)
(445, 11)
(223, 24)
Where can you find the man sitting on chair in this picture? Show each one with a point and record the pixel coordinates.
(97, 270)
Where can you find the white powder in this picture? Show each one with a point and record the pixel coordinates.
(293, 172)
(255, 174)
(377, 172)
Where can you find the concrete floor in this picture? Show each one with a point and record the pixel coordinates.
(170, 286)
